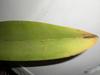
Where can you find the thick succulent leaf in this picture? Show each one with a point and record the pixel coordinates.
(33, 41)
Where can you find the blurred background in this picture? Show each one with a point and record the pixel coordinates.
(81, 14)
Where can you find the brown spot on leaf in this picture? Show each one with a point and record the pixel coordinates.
(88, 35)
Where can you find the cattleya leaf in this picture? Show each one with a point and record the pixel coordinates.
(35, 41)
